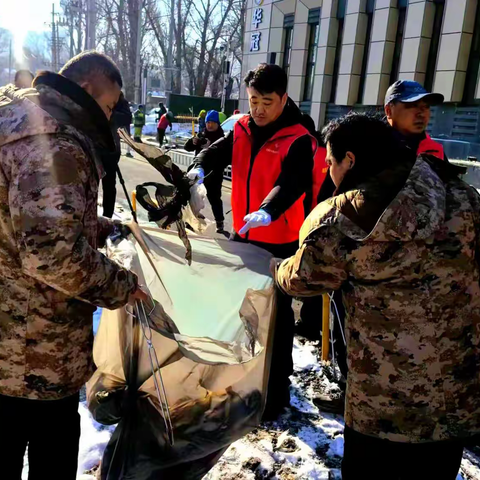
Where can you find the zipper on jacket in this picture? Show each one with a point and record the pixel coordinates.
(250, 169)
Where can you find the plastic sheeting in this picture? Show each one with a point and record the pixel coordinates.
(211, 327)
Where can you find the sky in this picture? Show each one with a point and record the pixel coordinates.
(23, 16)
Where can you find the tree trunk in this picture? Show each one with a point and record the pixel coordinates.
(169, 67)
(79, 27)
(178, 53)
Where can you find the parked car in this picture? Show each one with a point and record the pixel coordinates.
(228, 124)
(178, 139)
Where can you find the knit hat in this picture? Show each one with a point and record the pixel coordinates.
(212, 116)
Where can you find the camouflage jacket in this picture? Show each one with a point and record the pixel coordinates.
(408, 266)
(8, 90)
(51, 274)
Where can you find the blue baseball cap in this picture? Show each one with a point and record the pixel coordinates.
(212, 116)
(407, 91)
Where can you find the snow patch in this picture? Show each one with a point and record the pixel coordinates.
(305, 357)
(336, 447)
(93, 440)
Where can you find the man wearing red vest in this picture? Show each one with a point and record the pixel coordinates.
(407, 106)
(271, 155)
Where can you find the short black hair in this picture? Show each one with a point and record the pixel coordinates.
(20, 73)
(267, 78)
(90, 64)
(366, 135)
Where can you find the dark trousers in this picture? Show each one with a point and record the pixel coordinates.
(51, 429)
(160, 135)
(377, 459)
(109, 193)
(282, 363)
(281, 367)
(214, 195)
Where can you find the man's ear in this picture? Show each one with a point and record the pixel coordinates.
(88, 87)
(284, 99)
(388, 111)
(350, 157)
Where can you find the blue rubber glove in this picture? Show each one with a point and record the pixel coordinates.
(196, 174)
(256, 219)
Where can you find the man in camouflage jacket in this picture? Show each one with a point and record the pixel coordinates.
(400, 238)
(51, 273)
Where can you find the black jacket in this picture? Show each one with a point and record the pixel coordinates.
(413, 141)
(121, 115)
(295, 178)
(204, 138)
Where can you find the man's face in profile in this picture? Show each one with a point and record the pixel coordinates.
(105, 93)
(24, 80)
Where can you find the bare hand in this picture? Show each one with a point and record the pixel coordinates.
(195, 140)
(139, 294)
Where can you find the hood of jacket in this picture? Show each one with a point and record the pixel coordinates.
(56, 105)
(404, 202)
(21, 116)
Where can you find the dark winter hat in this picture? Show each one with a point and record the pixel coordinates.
(212, 116)
(407, 91)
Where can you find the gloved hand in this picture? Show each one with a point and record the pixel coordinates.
(196, 174)
(256, 219)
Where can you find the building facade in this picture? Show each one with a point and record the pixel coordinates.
(343, 54)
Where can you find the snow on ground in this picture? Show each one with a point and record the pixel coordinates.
(303, 444)
(93, 440)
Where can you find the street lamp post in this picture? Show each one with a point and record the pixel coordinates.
(226, 75)
(138, 85)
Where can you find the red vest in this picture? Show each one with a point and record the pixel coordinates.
(252, 183)
(431, 147)
(320, 170)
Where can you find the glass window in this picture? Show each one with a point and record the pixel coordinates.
(370, 11)
(338, 52)
(311, 60)
(402, 15)
(471, 80)
(287, 48)
(435, 42)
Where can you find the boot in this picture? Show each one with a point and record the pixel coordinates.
(330, 403)
(221, 229)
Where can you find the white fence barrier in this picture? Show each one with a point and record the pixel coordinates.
(184, 159)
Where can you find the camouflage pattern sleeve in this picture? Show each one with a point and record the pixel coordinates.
(48, 201)
(318, 266)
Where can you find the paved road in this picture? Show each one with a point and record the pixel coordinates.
(136, 171)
